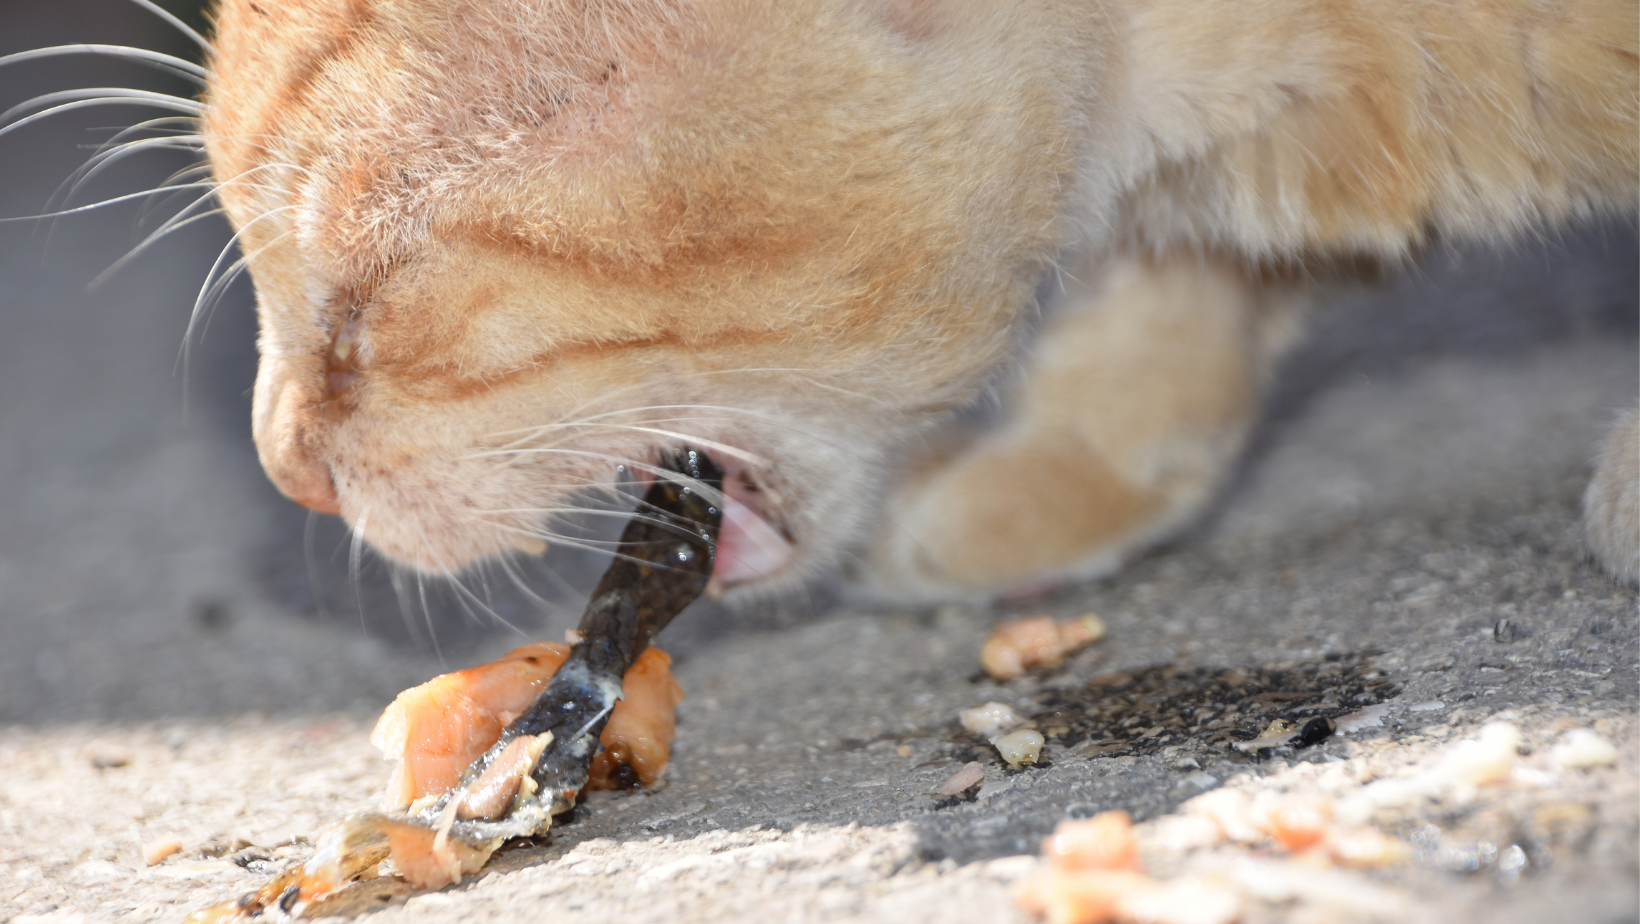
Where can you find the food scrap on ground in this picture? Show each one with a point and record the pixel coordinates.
(1021, 645)
(999, 724)
(1093, 875)
(1224, 848)
(990, 719)
(496, 751)
(971, 775)
(1094, 872)
(156, 851)
(1582, 749)
(436, 730)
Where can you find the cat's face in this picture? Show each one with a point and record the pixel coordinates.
(502, 248)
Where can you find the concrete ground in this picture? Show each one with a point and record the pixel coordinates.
(183, 654)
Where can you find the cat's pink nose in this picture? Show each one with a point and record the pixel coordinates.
(287, 428)
(313, 489)
(298, 474)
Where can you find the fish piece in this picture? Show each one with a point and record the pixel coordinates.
(429, 859)
(349, 852)
(638, 739)
(492, 794)
(437, 729)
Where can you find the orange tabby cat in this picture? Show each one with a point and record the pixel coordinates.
(501, 248)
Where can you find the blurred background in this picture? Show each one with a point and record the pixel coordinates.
(148, 568)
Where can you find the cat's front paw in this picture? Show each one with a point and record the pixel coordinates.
(1611, 505)
(1008, 517)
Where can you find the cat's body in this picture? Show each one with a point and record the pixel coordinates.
(501, 248)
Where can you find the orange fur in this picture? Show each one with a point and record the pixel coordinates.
(542, 231)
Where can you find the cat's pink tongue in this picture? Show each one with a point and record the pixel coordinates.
(748, 546)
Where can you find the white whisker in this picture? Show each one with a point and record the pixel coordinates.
(171, 224)
(711, 494)
(427, 614)
(355, 550)
(165, 62)
(114, 142)
(313, 566)
(180, 26)
(461, 589)
(206, 289)
(505, 562)
(107, 202)
(105, 159)
(401, 593)
(99, 96)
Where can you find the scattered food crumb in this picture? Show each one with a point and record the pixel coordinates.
(1370, 717)
(1365, 847)
(990, 719)
(903, 750)
(1231, 810)
(108, 756)
(1582, 749)
(1296, 822)
(1104, 841)
(1019, 748)
(1276, 734)
(971, 775)
(1019, 645)
(156, 851)
(1094, 875)
(1486, 759)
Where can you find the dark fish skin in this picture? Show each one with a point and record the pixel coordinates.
(663, 563)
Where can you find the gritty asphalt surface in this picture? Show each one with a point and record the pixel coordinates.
(184, 654)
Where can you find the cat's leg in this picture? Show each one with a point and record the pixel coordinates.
(1611, 506)
(1138, 397)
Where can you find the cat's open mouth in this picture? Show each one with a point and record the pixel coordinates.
(751, 545)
